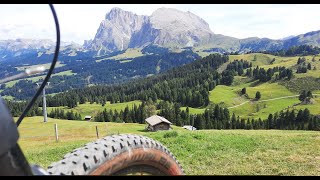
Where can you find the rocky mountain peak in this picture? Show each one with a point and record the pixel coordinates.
(115, 31)
(166, 17)
(165, 27)
(172, 28)
(20, 43)
(116, 13)
(179, 28)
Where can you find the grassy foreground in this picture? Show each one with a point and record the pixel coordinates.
(205, 152)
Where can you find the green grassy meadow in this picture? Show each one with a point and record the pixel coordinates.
(263, 109)
(36, 78)
(47, 66)
(88, 109)
(194, 110)
(130, 53)
(229, 96)
(269, 91)
(203, 152)
(37, 138)
(261, 59)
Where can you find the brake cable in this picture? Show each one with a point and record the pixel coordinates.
(53, 63)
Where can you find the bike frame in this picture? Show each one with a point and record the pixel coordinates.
(12, 159)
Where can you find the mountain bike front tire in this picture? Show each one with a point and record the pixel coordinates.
(122, 154)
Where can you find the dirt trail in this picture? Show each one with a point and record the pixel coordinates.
(266, 100)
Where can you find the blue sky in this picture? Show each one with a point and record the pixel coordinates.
(80, 22)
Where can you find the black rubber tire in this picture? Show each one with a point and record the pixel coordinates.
(113, 154)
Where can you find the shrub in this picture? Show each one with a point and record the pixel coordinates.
(170, 134)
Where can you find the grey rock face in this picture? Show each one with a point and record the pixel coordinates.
(116, 30)
(177, 28)
(310, 38)
(19, 44)
(165, 27)
(173, 28)
(18, 47)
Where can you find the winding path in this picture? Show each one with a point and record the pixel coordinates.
(267, 100)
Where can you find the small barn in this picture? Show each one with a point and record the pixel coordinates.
(155, 123)
(87, 118)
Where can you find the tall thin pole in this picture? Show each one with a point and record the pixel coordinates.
(97, 132)
(193, 116)
(56, 132)
(44, 106)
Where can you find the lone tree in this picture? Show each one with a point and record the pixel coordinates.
(290, 74)
(309, 66)
(303, 95)
(150, 108)
(309, 94)
(258, 95)
(243, 91)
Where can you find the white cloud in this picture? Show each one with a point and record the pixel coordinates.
(79, 22)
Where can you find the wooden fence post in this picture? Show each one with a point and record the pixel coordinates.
(97, 132)
(56, 132)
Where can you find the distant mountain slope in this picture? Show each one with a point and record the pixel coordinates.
(116, 30)
(166, 27)
(18, 49)
(13, 48)
(310, 38)
(172, 28)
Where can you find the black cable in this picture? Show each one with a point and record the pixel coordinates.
(55, 59)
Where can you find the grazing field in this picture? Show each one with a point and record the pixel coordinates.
(88, 109)
(194, 110)
(204, 152)
(305, 83)
(226, 95)
(230, 95)
(37, 138)
(130, 53)
(8, 97)
(36, 78)
(310, 73)
(269, 91)
(314, 108)
(274, 98)
(257, 59)
(256, 109)
(47, 66)
(246, 152)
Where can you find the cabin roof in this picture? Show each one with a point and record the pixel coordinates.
(155, 119)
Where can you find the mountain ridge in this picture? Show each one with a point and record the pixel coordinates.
(172, 28)
(165, 27)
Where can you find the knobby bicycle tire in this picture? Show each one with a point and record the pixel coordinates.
(118, 155)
